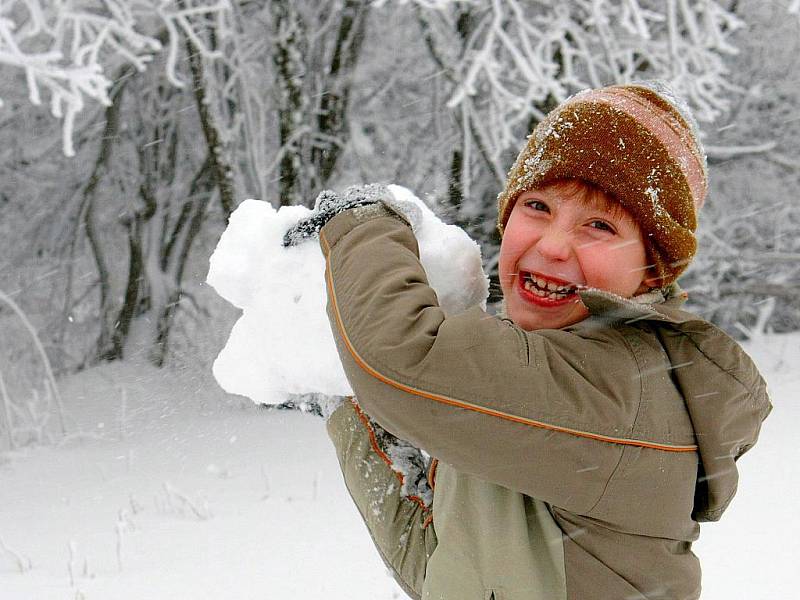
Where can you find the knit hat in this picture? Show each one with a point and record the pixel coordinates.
(639, 143)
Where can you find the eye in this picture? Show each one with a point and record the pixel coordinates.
(602, 226)
(537, 205)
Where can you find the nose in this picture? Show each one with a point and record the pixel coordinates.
(555, 244)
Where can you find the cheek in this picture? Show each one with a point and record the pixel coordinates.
(509, 254)
(618, 271)
(517, 238)
(505, 265)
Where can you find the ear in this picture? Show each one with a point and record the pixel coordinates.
(654, 280)
(650, 282)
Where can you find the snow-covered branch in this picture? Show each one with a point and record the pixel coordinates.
(66, 49)
(728, 152)
(527, 56)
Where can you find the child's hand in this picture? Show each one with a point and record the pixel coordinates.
(328, 204)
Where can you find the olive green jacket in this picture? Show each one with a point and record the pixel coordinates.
(572, 464)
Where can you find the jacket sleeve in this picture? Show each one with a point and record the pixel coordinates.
(399, 522)
(546, 413)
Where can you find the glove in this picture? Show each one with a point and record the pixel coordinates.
(328, 404)
(329, 204)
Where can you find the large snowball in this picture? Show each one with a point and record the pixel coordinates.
(282, 344)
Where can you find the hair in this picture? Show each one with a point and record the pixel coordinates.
(592, 195)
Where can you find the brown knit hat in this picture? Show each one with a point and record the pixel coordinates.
(638, 143)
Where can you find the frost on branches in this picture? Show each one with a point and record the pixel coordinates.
(522, 58)
(66, 49)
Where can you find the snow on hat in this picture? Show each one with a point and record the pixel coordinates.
(638, 143)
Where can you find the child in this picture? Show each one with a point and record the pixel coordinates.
(579, 440)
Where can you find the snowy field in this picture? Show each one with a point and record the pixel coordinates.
(177, 491)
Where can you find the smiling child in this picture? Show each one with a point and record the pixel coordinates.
(562, 238)
(579, 438)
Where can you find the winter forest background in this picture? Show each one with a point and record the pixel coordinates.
(131, 129)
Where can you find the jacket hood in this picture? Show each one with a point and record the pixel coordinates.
(725, 395)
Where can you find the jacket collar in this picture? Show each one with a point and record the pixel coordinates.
(663, 305)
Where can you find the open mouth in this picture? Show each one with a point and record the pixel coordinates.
(547, 288)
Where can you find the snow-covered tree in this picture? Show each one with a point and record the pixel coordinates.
(309, 51)
(508, 62)
(177, 110)
(67, 50)
(158, 172)
(747, 274)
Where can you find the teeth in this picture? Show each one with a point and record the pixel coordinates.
(546, 289)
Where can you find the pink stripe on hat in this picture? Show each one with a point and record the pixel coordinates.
(664, 124)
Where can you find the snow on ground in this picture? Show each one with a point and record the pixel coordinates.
(265, 513)
(178, 491)
(752, 552)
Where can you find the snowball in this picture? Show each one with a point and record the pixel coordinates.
(282, 344)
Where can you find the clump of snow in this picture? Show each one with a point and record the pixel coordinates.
(452, 260)
(282, 344)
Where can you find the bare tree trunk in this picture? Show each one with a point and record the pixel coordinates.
(313, 136)
(332, 117)
(87, 215)
(167, 317)
(455, 185)
(162, 264)
(135, 226)
(465, 22)
(176, 256)
(289, 50)
(220, 169)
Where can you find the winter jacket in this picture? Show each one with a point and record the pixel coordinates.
(572, 464)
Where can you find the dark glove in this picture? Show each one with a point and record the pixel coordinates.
(329, 204)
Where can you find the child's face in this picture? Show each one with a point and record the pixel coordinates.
(557, 239)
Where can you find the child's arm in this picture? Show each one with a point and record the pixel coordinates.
(399, 522)
(543, 413)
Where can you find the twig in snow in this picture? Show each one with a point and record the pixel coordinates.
(72, 547)
(123, 412)
(50, 386)
(136, 508)
(81, 436)
(7, 412)
(202, 514)
(23, 562)
(119, 528)
(38, 344)
(266, 482)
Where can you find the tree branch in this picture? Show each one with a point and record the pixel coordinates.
(223, 174)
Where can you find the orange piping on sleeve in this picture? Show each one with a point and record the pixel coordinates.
(432, 473)
(468, 405)
(379, 451)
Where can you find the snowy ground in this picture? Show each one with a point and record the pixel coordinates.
(177, 492)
